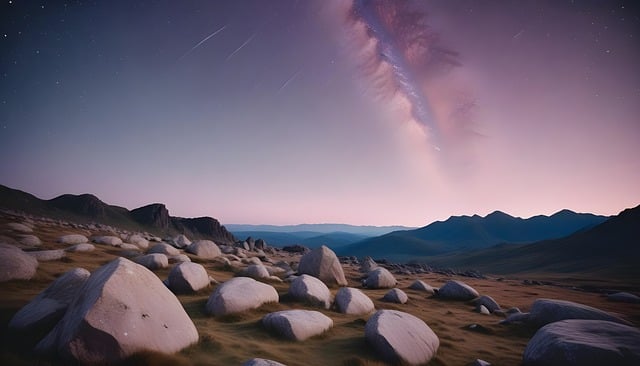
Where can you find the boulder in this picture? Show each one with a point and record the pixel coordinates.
(84, 247)
(583, 342)
(180, 258)
(323, 263)
(368, 265)
(45, 310)
(545, 311)
(205, 249)
(396, 295)
(310, 289)
(163, 248)
(488, 302)
(138, 240)
(30, 241)
(47, 255)
(401, 338)
(297, 325)
(262, 362)
(380, 278)
(124, 309)
(421, 286)
(624, 297)
(260, 244)
(108, 240)
(353, 301)
(153, 261)
(479, 362)
(21, 228)
(457, 290)
(482, 309)
(256, 271)
(71, 239)
(251, 260)
(127, 246)
(180, 241)
(188, 277)
(16, 264)
(240, 294)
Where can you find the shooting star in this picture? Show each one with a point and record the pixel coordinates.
(291, 78)
(242, 45)
(517, 35)
(203, 41)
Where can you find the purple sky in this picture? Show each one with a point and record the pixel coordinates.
(276, 119)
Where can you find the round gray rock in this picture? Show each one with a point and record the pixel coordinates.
(240, 294)
(108, 240)
(163, 248)
(421, 286)
(21, 228)
(368, 265)
(396, 295)
(30, 241)
(84, 247)
(46, 309)
(153, 261)
(310, 289)
(16, 264)
(124, 309)
(262, 362)
(380, 278)
(205, 249)
(353, 301)
(71, 239)
(583, 343)
(48, 255)
(188, 277)
(488, 302)
(138, 240)
(624, 297)
(323, 263)
(297, 325)
(457, 290)
(545, 311)
(400, 337)
(256, 271)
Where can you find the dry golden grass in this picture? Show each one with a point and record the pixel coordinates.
(231, 340)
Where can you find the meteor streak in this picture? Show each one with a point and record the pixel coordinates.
(203, 41)
(242, 46)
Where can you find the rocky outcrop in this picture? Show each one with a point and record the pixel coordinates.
(297, 325)
(310, 289)
(323, 264)
(583, 342)
(154, 215)
(203, 227)
(353, 301)
(124, 309)
(401, 338)
(240, 294)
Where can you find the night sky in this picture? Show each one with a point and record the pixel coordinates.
(363, 112)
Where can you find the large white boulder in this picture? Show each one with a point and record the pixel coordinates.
(457, 290)
(163, 248)
(323, 263)
(579, 342)
(401, 338)
(138, 240)
(73, 239)
(124, 308)
(46, 309)
(205, 249)
(240, 294)
(310, 289)
(353, 301)
(15, 264)
(188, 277)
(545, 311)
(256, 271)
(153, 261)
(297, 325)
(380, 278)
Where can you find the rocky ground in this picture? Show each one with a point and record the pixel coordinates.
(324, 318)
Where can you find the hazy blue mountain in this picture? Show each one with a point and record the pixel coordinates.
(471, 232)
(608, 249)
(318, 228)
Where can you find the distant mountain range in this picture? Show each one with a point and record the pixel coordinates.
(87, 208)
(463, 233)
(611, 248)
(318, 229)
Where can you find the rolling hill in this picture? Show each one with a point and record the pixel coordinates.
(461, 233)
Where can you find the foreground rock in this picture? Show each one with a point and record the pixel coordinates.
(380, 278)
(16, 264)
(310, 289)
(396, 295)
(188, 277)
(457, 290)
(46, 309)
(297, 325)
(545, 311)
(353, 301)
(205, 249)
(124, 309)
(323, 263)
(240, 294)
(583, 342)
(401, 338)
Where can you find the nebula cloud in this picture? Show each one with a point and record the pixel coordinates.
(404, 61)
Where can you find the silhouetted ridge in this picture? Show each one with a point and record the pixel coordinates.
(155, 215)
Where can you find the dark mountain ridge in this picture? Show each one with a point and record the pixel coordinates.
(86, 208)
